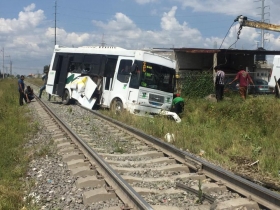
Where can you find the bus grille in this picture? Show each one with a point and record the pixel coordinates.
(156, 98)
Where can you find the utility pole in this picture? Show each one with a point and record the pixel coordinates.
(3, 63)
(55, 23)
(10, 64)
(102, 41)
(263, 13)
(11, 67)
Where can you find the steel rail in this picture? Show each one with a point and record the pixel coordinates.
(139, 202)
(261, 195)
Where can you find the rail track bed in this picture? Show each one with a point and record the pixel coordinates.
(124, 168)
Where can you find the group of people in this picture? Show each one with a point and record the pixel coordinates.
(242, 76)
(27, 94)
(24, 94)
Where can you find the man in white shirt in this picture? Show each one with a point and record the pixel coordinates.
(219, 83)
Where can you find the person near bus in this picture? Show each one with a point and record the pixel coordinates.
(45, 79)
(244, 80)
(219, 83)
(29, 95)
(276, 90)
(21, 86)
(177, 104)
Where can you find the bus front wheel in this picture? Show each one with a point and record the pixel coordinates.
(66, 97)
(117, 106)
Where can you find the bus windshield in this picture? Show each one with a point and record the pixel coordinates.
(157, 77)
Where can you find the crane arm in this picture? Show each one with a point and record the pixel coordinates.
(243, 21)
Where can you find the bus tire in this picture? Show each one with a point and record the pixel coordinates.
(66, 97)
(117, 106)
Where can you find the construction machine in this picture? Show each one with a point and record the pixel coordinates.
(243, 21)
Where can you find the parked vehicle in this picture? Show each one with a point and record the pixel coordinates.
(234, 87)
(260, 87)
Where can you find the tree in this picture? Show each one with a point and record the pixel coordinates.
(46, 68)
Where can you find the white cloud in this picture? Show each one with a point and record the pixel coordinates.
(68, 38)
(185, 35)
(247, 8)
(121, 22)
(26, 20)
(25, 37)
(145, 1)
(29, 8)
(129, 35)
(226, 7)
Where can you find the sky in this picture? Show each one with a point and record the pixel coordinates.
(27, 27)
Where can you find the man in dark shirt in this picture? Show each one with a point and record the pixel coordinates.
(29, 95)
(21, 90)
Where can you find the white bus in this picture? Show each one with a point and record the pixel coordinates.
(112, 77)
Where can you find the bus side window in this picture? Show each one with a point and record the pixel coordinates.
(72, 67)
(76, 65)
(124, 70)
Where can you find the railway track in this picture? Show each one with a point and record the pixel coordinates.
(114, 161)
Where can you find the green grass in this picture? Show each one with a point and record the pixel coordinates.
(15, 128)
(227, 131)
(36, 81)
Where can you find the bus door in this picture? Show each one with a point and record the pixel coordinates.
(105, 99)
(107, 80)
(60, 86)
(121, 84)
(134, 82)
(57, 75)
(53, 74)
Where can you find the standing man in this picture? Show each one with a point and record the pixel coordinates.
(244, 80)
(21, 90)
(219, 83)
(45, 79)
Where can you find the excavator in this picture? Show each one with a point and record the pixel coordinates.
(243, 21)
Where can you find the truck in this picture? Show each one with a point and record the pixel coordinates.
(115, 78)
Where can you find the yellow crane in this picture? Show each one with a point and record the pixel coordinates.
(243, 21)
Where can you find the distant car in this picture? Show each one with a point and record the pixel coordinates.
(260, 87)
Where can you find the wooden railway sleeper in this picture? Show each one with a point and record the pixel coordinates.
(195, 192)
(220, 183)
(193, 163)
(109, 189)
(99, 176)
(126, 207)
